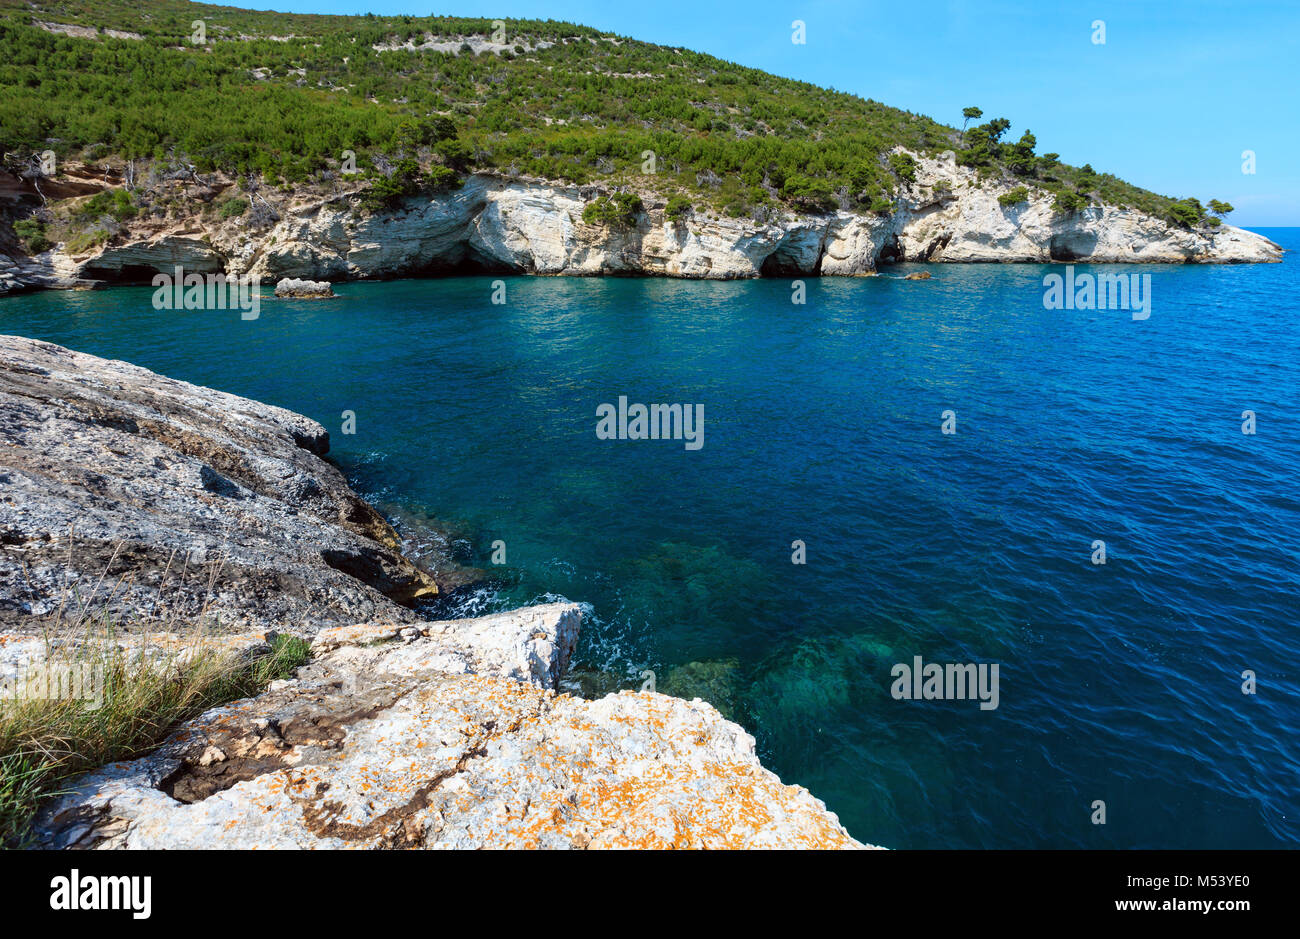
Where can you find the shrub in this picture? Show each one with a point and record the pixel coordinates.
(903, 165)
(812, 195)
(1068, 201)
(233, 207)
(1014, 197)
(617, 211)
(1019, 157)
(85, 241)
(679, 208)
(442, 178)
(1087, 179)
(387, 192)
(31, 232)
(455, 153)
(1185, 212)
(116, 203)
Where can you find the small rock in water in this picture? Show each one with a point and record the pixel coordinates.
(296, 289)
(920, 275)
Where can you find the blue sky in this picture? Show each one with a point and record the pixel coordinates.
(1171, 100)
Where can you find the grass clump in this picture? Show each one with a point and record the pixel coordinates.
(46, 742)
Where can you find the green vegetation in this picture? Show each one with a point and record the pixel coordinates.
(678, 208)
(1068, 201)
(114, 203)
(808, 193)
(904, 166)
(45, 742)
(233, 207)
(557, 101)
(407, 179)
(1015, 197)
(31, 232)
(617, 211)
(1187, 212)
(86, 241)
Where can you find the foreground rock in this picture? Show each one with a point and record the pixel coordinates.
(303, 289)
(163, 507)
(447, 735)
(159, 502)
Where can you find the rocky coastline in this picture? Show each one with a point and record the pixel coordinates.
(495, 224)
(190, 515)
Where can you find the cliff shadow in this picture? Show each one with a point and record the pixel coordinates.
(1072, 246)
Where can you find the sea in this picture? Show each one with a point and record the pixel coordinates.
(1093, 510)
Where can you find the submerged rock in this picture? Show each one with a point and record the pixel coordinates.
(806, 684)
(713, 681)
(455, 739)
(706, 586)
(291, 288)
(153, 501)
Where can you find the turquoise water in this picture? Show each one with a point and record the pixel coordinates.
(1119, 683)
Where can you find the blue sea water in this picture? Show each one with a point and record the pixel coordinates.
(1119, 682)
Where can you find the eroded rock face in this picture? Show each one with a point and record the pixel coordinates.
(966, 223)
(447, 736)
(138, 261)
(154, 500)
(497, 224)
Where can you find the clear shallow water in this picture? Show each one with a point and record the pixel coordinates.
(822, 423)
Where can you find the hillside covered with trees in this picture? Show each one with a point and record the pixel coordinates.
(281, 99)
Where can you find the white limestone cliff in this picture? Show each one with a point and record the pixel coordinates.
(491, 223)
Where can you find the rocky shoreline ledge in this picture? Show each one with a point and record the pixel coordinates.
(525, 226)
(400, 731)
(179, 502)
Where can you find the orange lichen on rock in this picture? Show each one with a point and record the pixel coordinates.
(444, 741)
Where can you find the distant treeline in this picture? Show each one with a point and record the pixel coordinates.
(585, 108)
